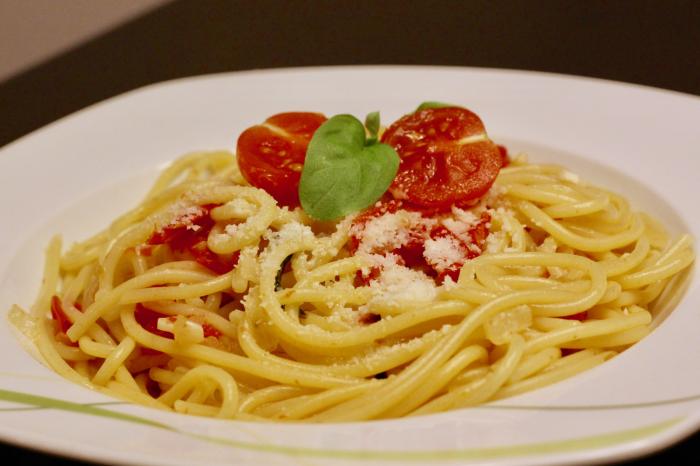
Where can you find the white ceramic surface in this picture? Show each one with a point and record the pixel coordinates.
(76, 174)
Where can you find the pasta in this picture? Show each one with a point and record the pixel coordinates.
(294, 319)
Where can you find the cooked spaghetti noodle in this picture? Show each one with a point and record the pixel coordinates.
(290, 319)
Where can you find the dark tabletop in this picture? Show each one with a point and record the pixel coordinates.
(656, 43)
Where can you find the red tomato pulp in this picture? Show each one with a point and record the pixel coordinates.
(446, 157)
(192, 236)
(271, 155)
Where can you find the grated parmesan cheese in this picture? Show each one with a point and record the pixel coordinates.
(390, 231)
(179, 214)
(398, 283)
(241, 208)
(293, 232)
(443, 252)
(466, 217)
(343, 315)
(495, 242)
(449, 284)
(461, 224)
(187, 216)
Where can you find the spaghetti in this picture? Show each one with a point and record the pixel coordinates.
(210, 299)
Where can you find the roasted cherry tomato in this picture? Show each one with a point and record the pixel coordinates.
(503, 152)
(271, 155)
(446, 157)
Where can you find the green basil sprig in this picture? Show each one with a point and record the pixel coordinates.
(372, 124)
(345, 172)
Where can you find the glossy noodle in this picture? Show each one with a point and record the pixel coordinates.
(567, 278)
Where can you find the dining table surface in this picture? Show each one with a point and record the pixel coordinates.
(652, 43)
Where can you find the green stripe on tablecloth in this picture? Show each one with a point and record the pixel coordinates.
(558, 446)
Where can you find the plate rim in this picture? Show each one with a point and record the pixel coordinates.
(324, 68)
(690, 423)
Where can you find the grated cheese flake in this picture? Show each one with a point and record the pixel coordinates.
(294, 232)
(390, 231)
(398, 283)
(443, 252)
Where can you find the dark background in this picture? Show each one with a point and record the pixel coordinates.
(655, 43)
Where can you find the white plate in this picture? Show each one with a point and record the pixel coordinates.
(78, 173)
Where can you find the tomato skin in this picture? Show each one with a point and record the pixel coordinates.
(477, 236)
(271, 155)
(218, 264)
(446, 157)
(153, 388)
(583, 315)
(301, 124)
(179, 236)
(59, 315)
(503, 152)
(480, 232)
(210, 331)
(182, 237)
(148, 319)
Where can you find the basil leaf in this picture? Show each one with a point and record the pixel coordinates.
(372, 124)
(430, 104)
(343, 173)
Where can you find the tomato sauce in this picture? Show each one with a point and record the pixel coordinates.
(190, 235)
(412, 253)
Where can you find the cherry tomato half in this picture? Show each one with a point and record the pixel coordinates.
(271, 155)
(446, 157)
